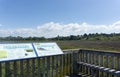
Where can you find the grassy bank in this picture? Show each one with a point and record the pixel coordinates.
(95, 45)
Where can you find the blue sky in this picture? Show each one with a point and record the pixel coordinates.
(31, 14)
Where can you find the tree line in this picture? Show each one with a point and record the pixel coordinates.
(94, 36)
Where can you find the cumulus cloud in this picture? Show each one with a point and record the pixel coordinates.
(53, 29)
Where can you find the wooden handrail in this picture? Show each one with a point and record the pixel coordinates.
(99, 59)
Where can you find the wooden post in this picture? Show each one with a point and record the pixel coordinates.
(75, 65)
(7, 69)
(0, 69)
(38, 60)
(28, 68)
(93, 72)
(52, 66)
(21, 68)
(15, 68)
(33, 67)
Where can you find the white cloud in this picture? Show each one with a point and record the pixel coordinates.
(53, 29)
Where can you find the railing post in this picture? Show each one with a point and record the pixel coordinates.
(33, 67)
(15, 69)
(7, 69)
(28, 68)
(52, 66)
(38, 60)
(21, 68)
(0, 69)
(93, 72)
(75, 65)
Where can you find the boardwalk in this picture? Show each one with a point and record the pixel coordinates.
(88, 63)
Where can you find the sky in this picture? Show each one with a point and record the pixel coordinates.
(50, 18)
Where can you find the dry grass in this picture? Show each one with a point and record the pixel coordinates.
(95, 45)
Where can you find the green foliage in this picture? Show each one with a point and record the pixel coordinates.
(96, 36)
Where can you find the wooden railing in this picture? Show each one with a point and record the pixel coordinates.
(47, 66)
(99, 63)
(87, 63)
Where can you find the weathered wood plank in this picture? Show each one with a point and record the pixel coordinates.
(0, 69)
(33, 67)
(39, 71)
(21, 69)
